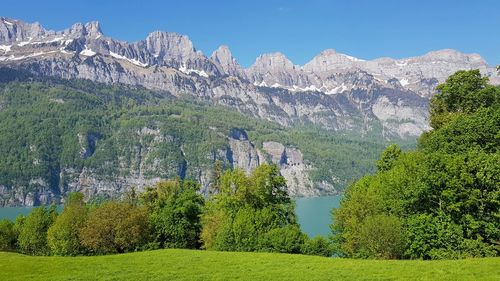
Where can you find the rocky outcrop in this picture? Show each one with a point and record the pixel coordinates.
(223, 57)
(293, 169)
(241, 153)
(88, 144)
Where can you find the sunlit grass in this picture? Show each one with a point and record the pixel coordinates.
(209, 265)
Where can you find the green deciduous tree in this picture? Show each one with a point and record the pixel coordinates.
(464, 92)
(443, 197)
(64, 234)
(33, 231)
(8, 235)
(175, 208)
(388, 157)
(248, 211)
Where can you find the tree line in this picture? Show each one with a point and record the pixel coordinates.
(243, 213)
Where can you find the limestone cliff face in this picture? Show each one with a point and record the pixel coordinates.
(293, 168)
(242, 153)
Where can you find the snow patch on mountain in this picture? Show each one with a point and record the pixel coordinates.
(188, 71)
(87, 52)
(404, 82)
(8, 22)
(133, 61)
(14, 58)
(5, 48)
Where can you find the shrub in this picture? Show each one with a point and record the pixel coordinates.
(382, 236)
(115, 227)
(317, 246)
(287, 239)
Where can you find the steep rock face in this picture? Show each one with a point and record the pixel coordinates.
(293, 169)
(241, 152)
(329, 60)
(277, 71)
(14, 31)
(416, 72)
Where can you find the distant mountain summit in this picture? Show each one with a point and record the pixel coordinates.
(335, 91)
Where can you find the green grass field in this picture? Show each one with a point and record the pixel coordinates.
(208, 265)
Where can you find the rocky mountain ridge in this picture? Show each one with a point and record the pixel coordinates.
(342, 92)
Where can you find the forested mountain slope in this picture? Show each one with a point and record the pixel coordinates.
(58, 136)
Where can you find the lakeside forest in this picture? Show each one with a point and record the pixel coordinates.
(439, 201)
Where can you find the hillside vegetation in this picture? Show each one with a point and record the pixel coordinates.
(211, 265)
(50, 131)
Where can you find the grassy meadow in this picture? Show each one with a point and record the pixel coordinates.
(212, 265)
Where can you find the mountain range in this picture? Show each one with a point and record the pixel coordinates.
(383, 98)
(333, 90)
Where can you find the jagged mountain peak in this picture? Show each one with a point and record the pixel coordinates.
(12, 30)
(225, 59)
(328, 72)
(329, 60)
(93, 29)
(170, 37)
(327, 52)
(333, 54)
(169, 45)
(222, 53)
(273, 61)
(452, 55)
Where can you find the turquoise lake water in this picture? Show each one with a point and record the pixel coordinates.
(314, 213)
(12, 212)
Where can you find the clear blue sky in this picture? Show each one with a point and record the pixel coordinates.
(299, 29)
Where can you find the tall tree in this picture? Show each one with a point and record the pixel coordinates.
(63, 235)
(246, 209)
(115, 227)
(33, 232)
(175, 208)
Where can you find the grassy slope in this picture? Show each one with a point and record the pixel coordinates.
(208, 265)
